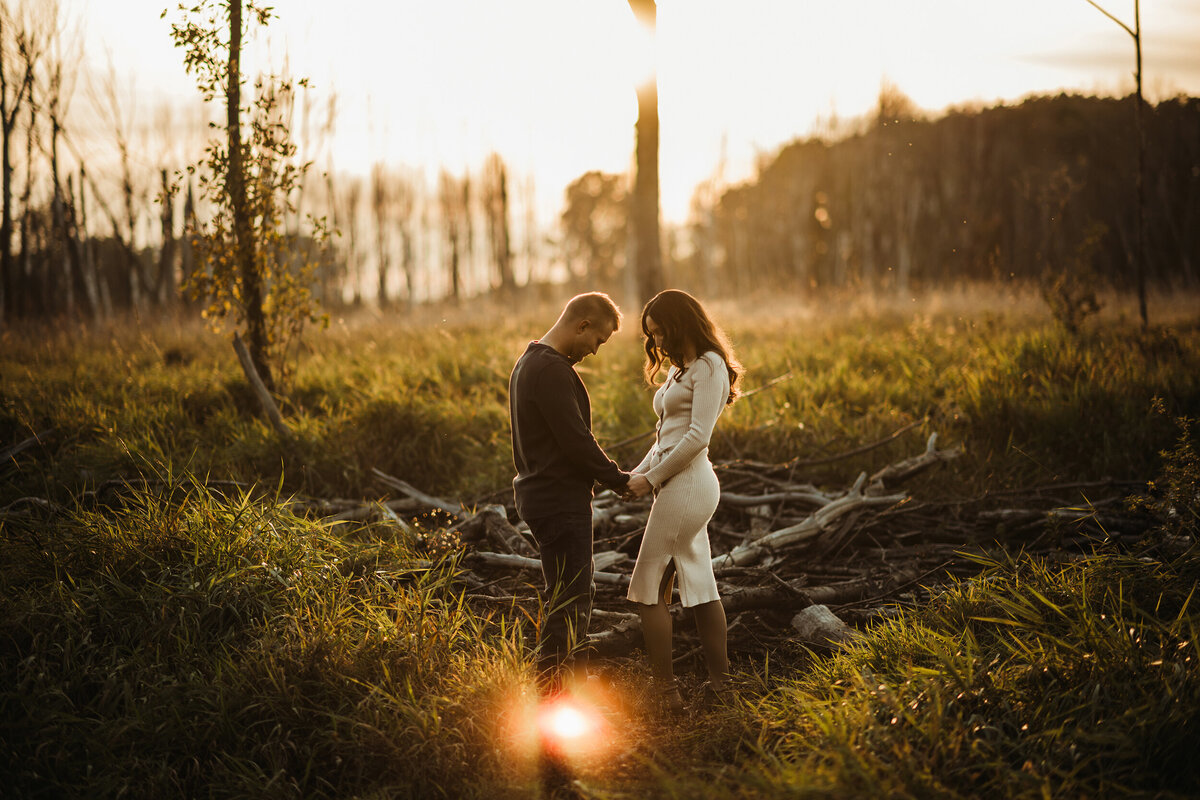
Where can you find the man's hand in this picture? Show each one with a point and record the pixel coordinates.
(638, 486)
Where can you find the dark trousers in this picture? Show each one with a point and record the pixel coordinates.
(565, 544)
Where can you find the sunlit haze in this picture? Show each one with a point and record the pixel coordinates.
(549, 84)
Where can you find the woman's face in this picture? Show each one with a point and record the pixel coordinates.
(656, 333)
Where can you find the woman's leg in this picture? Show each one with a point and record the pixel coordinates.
(710, 624)
(656, 633)
(656, 629)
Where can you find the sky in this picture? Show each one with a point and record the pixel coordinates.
(550, 84)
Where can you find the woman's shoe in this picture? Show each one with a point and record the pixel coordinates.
(714, 695)
(669, 697)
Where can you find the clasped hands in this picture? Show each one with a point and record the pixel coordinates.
(639, 486)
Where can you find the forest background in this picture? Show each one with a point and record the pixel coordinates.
(1041, 190)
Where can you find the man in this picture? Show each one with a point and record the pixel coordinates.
(558, 462)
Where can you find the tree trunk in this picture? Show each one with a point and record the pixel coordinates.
(87, 255)
(167, 288)
(43, 298)
(252, 293)
(455, 268)
(6, 257)
(380, 205)
(1139, 270)
(503, 244)
(647, 244)
(187, 253)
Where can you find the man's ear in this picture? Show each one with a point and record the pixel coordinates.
(582, 326)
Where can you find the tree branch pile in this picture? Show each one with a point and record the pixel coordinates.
(796, 563)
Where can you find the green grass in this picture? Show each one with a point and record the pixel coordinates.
(177, 640)
(1032, 680)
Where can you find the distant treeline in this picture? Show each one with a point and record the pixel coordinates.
(1024, 192)
(1041, 191)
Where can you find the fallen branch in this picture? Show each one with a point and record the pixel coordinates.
(491, 524)
(903, 470)
(39, 502)
(811, 527)
(511, 561)
(417, 494)
(810, 495)
(7, 457)
(623, 637)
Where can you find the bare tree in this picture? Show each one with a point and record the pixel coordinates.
(1139, 258)
(495, 203)
(352, 201)
(19, 52)
(645, 222)
(530, 240)
(61, 69)
(119, 117)
(381, 201)
(451, 194)
(405, 203)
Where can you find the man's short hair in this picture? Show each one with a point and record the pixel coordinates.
(593, 306)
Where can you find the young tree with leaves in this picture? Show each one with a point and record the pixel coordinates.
(245, 269)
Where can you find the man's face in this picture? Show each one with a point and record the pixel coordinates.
(589, 336)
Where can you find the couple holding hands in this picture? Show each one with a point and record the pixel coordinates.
(558, 462)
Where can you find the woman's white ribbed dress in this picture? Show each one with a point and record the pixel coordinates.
(687, 491)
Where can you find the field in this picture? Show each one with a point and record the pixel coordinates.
(171, 626)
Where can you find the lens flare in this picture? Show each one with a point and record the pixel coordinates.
(566, 721)
(570, 725)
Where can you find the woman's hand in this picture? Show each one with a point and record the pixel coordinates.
(638, 486)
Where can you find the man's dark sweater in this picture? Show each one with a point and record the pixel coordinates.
(557, 458)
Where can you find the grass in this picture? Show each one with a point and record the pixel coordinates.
(1032, 680)
(173, 639)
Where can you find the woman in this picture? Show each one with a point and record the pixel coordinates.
(702, 378)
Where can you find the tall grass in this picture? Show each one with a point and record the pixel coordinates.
(427, 403)
(169, 637)
(198, 645)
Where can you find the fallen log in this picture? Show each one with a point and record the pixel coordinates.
(415, 493)
(511, 561)
(818, 625)
(8, 456)
(797, 594)
(491, 524)
(358, 512)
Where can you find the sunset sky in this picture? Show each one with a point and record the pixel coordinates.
(550, 83)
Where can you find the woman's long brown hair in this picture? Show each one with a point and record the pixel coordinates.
(683, 321)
